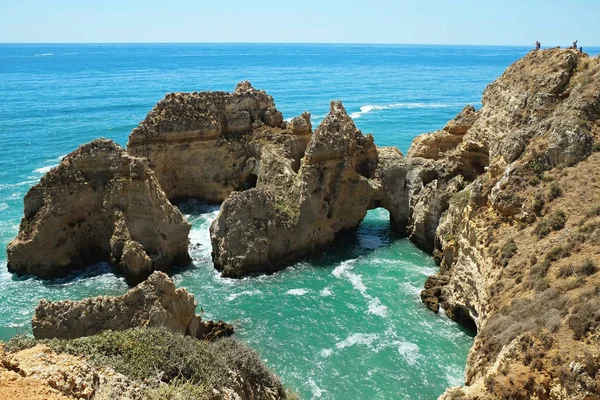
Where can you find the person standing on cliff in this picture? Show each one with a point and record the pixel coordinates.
(575, 45)
(537, 45)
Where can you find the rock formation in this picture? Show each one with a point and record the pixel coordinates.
(292, 214)
(206, 145)
(99, 204)
(153, 303)
(511, 209)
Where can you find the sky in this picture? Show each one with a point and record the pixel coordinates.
(484, 22)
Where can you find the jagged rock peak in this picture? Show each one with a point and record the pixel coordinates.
(153, 303)
(99, 204)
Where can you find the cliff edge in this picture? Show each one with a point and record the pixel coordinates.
(518, 245)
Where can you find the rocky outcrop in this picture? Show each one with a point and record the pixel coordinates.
(515, 238)
(153, 303)
(206, 145)
(99, 204)
(294, 213)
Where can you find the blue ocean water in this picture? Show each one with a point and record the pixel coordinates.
(347, 324)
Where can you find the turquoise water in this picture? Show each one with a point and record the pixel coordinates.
(348, 324)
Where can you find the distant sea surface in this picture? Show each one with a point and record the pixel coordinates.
(345, 325)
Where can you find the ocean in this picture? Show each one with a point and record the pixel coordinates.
(347, 324)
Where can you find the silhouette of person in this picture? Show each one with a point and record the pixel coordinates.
(537, 45)
(575, 45)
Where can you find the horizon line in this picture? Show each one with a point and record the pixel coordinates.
(291, 43)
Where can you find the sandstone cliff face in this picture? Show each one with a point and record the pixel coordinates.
(206, 145)
(518, 246)
(153, 303)
(294, 213)
(99, 204)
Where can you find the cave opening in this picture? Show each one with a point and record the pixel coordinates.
(250, 181)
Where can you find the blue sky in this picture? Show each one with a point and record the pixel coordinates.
(510, 22)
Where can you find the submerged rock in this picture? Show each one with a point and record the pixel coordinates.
(153, 303)
(99, 204)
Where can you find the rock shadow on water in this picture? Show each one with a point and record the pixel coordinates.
(370, 235)
(83, 273)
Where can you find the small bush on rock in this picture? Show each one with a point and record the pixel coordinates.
(554, 191)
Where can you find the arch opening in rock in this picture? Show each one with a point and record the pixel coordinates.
(250, 181)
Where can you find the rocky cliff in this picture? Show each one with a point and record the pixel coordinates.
(513, 215)
(206, 145)
(99, 204)
(153, 303)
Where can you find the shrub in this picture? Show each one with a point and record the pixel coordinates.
(554, 191)
(556, 253)
(539, 271)
(522, 316)
(542, 229)
(595, 211)
(182, 360)
(538, 204)
(557, 220)
(179, 389)
(584, 317)
(596, 147)
(20, 342)
(509, 249)
(588, 268)
(534, 180)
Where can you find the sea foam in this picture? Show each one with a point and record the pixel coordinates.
(369, 108)
(357, 338)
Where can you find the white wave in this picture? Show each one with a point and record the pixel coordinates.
(44, 55)
(357, 338)
(317, 392)
(325, 353)
(60, 158)
(326, 292)
(369, 108)
(454, 375)
(342, 268)
(376, 308)
(234, 296)
(297, 292)
(3, 206)
(357, 282)
(43, 170)
(411, 289)
(15, 185)
(289, 119)
(409, 351)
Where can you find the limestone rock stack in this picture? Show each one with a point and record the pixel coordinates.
(293, 213)
(99, 204)
(206, 145)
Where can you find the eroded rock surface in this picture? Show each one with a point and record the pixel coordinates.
(206, 145)
(153, 303)
(516, 236)
(99, 204)
(291, 214)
